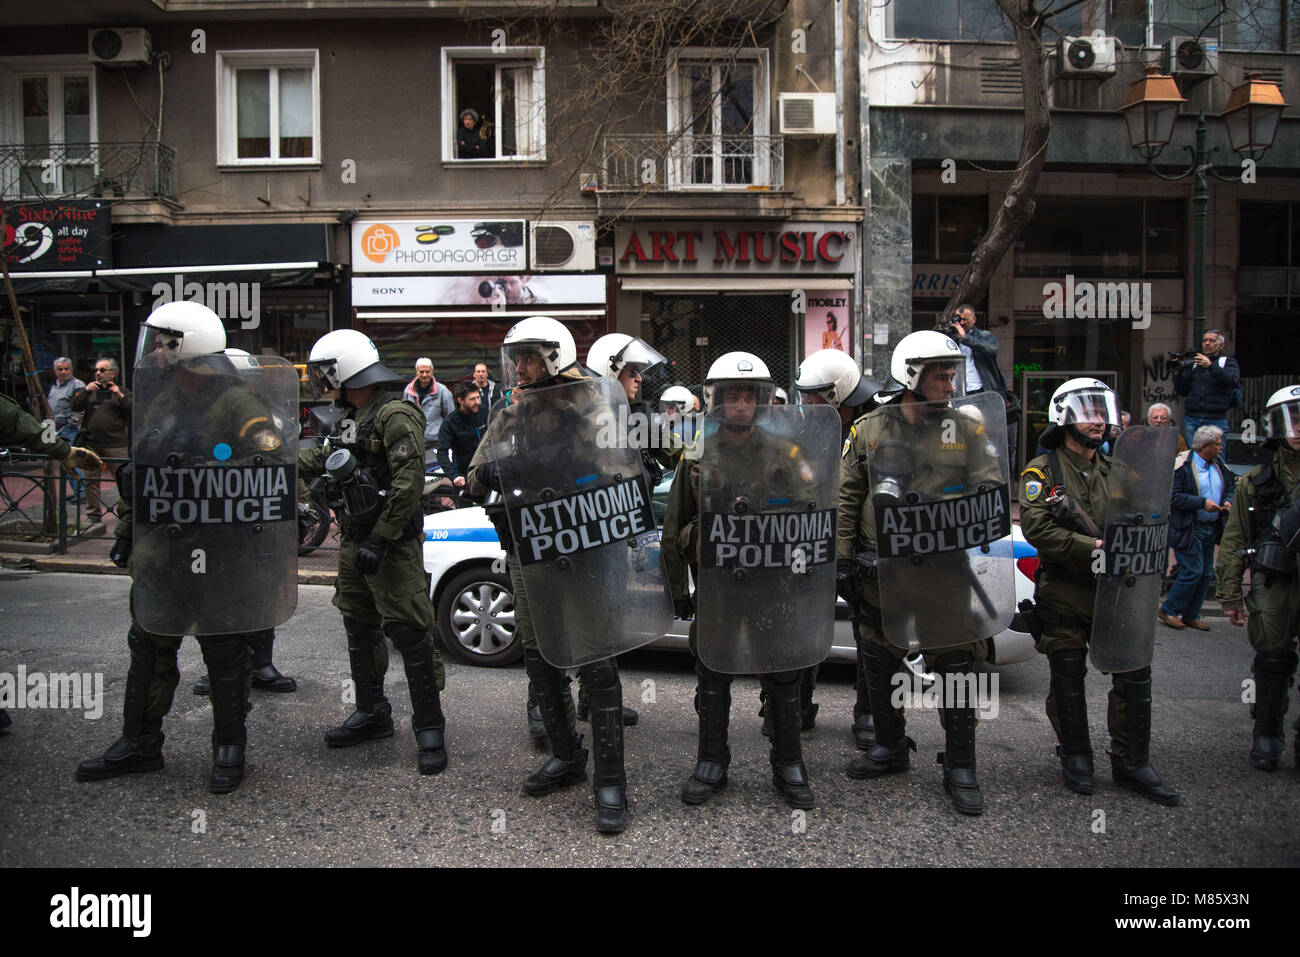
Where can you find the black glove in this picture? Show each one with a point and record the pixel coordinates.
(683, 608)
(120, 553)
(500, 522)
(653, 469)
(490, 475)
(370, 553)
(848, 584)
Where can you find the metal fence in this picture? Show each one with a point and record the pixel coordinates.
(88, 170)
(655, 162)
(40, 501)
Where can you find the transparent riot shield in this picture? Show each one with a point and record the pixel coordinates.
(940, 498)
(580, 515)
(1136, 542)
(766, 588)
(215, 516)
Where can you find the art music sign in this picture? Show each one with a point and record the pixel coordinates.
(731, 247)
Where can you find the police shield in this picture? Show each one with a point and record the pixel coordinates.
(766, 589)
(939, 495)
(1136, 541)
(579, 509)
(215, 516)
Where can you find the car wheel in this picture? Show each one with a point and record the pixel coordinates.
(476, 619)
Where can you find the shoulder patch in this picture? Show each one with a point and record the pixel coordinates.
(403, 450)
(848, 444)
(1033, 489)
(1036, 473)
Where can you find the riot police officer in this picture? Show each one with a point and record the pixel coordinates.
(832, 377)
(748, 618)
(1263, 534)
(19, 427)
(922, 446)
(543, 447)
(1064, 499)
(376, 476)
(194, 405)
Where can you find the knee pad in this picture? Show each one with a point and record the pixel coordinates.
(705, 673)
(139, 642)
(403, 636)
(359, 629)
(1071, 663)
(599, 675)
(1277, 662)
(954, 662)
(223, 651)
(537, 667)
(781, 678)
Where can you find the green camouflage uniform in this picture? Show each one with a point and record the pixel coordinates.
(18, 427)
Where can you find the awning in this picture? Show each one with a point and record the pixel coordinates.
(273, 275)
(415, 315)
(732, 284)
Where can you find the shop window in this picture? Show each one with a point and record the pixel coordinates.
(53, 127)
(504, 97)
(1103, 239)
(268, 108)
(946, 229)
(1268, 273)
(718, 120)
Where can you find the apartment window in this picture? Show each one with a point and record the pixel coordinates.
(946, 229)
(268, 108)
(504, 97)
(946, 20)
(1232, 24)
(1103, 239)
(52, 120)
(718, 120)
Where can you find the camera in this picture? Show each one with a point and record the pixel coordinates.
(1181, 360)
(953, 329)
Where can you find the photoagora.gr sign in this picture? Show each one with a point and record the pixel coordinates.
(582, 521)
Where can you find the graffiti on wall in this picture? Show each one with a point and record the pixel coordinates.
(1158, 381)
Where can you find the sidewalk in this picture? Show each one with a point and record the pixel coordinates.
(89, 554)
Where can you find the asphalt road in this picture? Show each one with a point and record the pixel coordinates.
(303, 803)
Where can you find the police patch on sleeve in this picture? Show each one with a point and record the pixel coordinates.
(1033, 489)
(404, 449)
(848, 443)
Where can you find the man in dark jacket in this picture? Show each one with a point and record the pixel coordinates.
(470, 141)
(1208, 386)
(1202, 499)
(489, 394)
(106, 420)
(459, 435)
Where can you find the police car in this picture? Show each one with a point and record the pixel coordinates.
(471, 593)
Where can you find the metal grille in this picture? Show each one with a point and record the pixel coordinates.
(999, 75)
(692, 331)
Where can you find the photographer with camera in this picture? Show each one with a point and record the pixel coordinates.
(1209, 382)
(980, 348)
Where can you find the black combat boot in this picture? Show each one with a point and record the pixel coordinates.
(140, 747)
(265, 675)
(807, 707)
(713, 702)
(1273, 671)
(864, 725)
(426, 707)
(1134, 771)
(536, 727)
(630, 716)
(228, 665)
(788, 771)
(609, 780)
(889, 754)
(958, 718)
(374, 715)
(1075, 750)
(568, 764)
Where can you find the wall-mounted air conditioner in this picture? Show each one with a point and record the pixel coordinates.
(1189, 58)
(120, 46)
(807, 114)
(1086, 57)
(567, 245)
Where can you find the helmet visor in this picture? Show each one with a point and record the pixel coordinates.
(940, 379)
(524, 363)
(718, 393)
(323, 374)
(636, 355)
(158, 346)
(1090, 405)
(1283, 421)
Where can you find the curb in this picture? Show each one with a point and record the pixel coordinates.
(90, 566)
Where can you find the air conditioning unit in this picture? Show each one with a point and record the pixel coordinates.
(569, 245)
(1191, 58)
(1086, 57)
(120, 46)
(807, 114)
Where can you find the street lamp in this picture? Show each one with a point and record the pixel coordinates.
(1252, 115)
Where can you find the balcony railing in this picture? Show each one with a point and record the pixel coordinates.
(132, 171)
(656, 162)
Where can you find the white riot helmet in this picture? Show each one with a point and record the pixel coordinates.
(346, 358)
(611, 354)
(677, 395)
(737, 368)
(917, 350)
(1083, 400)
(832, 376)
(181, 330)
(780, 396)
(1282, 413)
(541, 336)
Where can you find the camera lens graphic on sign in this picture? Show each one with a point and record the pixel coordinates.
(941, 502)
(1136, 539)
(215, 493)
(768, 487)
(582, 523)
